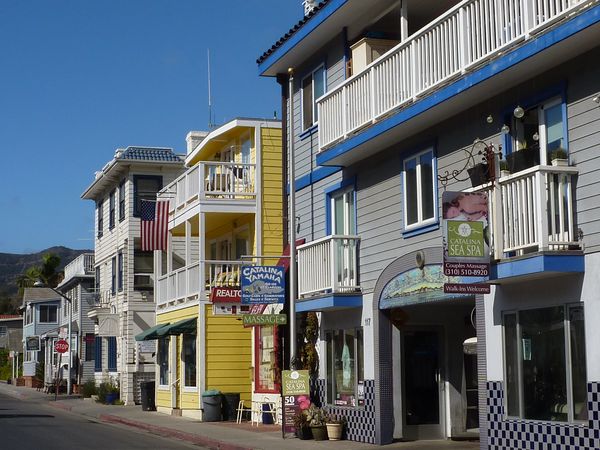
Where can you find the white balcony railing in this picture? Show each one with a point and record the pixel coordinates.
(454, 43)
(82, 265)
(187, 282)
(212, 180)
(328, 265)
(533, 210)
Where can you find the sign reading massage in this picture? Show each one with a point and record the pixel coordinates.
(466, 234)
(263, 285)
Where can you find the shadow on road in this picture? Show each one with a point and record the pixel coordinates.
(19, 416)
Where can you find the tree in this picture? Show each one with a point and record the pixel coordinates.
(46, 273)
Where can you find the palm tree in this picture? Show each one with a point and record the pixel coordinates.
(46, 273)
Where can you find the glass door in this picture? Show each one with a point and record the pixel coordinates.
(422, 399)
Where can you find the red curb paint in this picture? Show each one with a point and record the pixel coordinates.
(168, 432)
(60, 406)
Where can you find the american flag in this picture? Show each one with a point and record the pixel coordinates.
(155, 218)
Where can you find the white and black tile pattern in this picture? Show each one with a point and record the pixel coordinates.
(360, 420)
(516, 434)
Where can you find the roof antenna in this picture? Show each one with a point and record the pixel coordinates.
(211, 125)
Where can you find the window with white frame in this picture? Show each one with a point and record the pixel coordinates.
(313, 87)
(163, 360)
(100, 218)
(29, 315)
(345, 367)
(122, 200)
(3, 330)
(343, 214)
(538, 135)
(419, 190)
(545, 363)
(48, 313)
(112, 209)
(189, 360)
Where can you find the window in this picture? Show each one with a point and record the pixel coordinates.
(29, 315)
(419, 190)
(343, 212)
(267, 372)
(112, 353)
(113, 276)
(122, 200)
(112, 209)
(163, 360)
(536, 135)
(120, 271)
(189, 360)
(97, 279)
(345, 367)
(145, 187)
(3, 330)
(143, 269)
(100, 216)
(313, 87)
(98, 354)
(89, 347)
(544, 353)
(48, 313)
(246, 151)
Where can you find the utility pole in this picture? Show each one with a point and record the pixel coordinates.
(292, 217)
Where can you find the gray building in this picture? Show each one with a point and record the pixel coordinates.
(392, 103)
(11, 332)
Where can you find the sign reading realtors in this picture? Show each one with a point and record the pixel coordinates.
(466, 234)
(225, 295)
(263, 284)
(296, 389)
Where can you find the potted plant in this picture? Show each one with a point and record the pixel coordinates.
(559, 157)
(108, 392)
(478, 174)
(524, 158)
(302, 426)
(504, 170)
(317, 419)
(335, 427)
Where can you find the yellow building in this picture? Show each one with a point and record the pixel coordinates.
(227, 204)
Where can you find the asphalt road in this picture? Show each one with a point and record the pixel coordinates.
(33, 425)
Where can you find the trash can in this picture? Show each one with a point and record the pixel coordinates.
(267, 414)
(231, 401)
(211, 406)
(147, 392)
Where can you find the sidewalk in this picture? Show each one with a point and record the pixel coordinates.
(214, 435)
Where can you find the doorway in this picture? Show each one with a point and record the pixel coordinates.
(423, 384)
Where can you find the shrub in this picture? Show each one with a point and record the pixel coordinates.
(89, 388)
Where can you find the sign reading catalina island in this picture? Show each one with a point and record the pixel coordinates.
(263, 285)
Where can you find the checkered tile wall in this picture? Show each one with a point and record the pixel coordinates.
(360, 421)
(515, 434)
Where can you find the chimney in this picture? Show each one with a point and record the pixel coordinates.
(193, 139)
(309, 5)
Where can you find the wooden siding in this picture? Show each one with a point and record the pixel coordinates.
(271, 199)
(228, 354)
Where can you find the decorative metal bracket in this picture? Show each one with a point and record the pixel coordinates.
(488, 154)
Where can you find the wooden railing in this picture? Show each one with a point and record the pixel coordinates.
(328, 265)
(466, 35)
(533, 210)
(211, 180)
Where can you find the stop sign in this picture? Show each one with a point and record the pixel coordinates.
(61, 346)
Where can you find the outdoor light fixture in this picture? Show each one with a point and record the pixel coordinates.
(489, 119)
(505, 129)
(536, 137)
(519, 112)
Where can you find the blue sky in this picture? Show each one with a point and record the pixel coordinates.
(80, 78)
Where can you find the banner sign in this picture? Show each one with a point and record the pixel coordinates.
(263, 284)
(32, 343)
(250, 320)
(466, 234)
(225, 295)
(296, 396)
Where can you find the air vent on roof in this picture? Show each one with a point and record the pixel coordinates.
(309, 5)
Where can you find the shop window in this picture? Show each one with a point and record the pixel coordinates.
(267, 368)
(544, 351)
(48, 313)
(189, 360)
(122, 200)
(345, 367)
(145, 187)
(419, 190)
(98, 354)
(537, 134)
(100, 218)
(163, 361)
(313, 87)
(112, 211)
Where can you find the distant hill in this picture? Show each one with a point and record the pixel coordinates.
(12, 265)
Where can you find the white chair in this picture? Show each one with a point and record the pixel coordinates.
(241, 410)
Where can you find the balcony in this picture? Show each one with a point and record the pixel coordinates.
(328, 266)
(82, 265)
(211, 182)
(532, 216)
(457, 42)
(187, 282)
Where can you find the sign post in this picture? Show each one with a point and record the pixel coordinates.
(296, 396)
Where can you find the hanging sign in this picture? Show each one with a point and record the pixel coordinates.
(466, 234)
(250, 320)
(296, 396)
(32, 343)
(263, 284)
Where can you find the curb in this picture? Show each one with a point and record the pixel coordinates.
(60, 406)
(169, 432)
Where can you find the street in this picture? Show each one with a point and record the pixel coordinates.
(34, 425)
